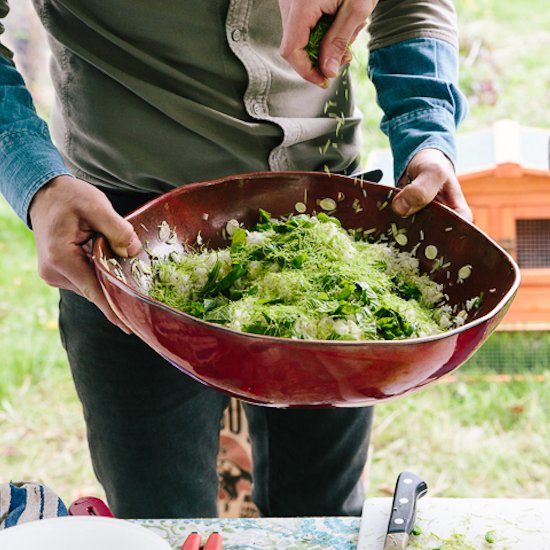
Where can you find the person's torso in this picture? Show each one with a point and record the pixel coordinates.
(151, 95)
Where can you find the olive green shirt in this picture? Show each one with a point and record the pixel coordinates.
(152, 95)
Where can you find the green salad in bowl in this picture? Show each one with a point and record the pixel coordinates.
(306, 277)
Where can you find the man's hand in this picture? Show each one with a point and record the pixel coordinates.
(300, 16)
(65, 214)
(431, 176)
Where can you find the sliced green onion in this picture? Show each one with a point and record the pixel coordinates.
(465, 271)
(327, 204)
(430, 252)
(401, 239)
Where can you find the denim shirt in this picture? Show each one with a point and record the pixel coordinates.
(415, 79)
(417, 88)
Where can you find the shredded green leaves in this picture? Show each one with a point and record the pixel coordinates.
(313, 47)
(305, 277)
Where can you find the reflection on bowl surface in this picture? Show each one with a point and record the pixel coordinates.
(285, 372)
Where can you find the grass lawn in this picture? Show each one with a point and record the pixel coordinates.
(477, 439)
(42, 435)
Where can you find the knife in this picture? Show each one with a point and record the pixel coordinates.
(408, 489)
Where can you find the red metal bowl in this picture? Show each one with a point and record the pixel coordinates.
(308, 373)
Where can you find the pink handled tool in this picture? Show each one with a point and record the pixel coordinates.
(89, 506)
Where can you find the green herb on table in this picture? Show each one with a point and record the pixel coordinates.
(457, 541)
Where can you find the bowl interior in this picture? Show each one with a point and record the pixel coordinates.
(467, 262)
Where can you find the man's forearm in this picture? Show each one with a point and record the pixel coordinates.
(413, 63)
(416, 83)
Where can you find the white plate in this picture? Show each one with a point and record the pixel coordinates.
(80, 533)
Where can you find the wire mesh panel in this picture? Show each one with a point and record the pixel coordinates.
(533, 243)
(519, 352)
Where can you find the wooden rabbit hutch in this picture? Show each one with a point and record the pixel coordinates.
(505, 178)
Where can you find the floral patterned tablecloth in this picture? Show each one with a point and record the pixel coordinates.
(465, 523)
(334, 533)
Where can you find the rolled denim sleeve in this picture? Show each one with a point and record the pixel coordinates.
(416, 85)
(29, 159)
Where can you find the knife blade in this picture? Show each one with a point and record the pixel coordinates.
(408, 489)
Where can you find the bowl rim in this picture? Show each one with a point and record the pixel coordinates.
(303, 342)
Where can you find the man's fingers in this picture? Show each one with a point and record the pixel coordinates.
(297, 25)
(300, 17)
(336, 44)
(74, 272)
(427, 186)
(118, 231)
(284, 7)
(429, 175)
(454, 198)
(82, 278)
(415, 196)
(348, 57)
(65, 213)
(350, 19)
(301, 63)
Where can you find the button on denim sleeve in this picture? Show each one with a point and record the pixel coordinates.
(28, 157)
(416, 84)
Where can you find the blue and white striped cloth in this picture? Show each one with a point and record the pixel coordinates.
(27, 501)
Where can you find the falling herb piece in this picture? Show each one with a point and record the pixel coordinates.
(316, 35)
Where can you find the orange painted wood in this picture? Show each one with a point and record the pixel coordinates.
(482, 217)
(498, 197)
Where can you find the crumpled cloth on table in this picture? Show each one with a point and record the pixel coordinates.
(25, 501)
